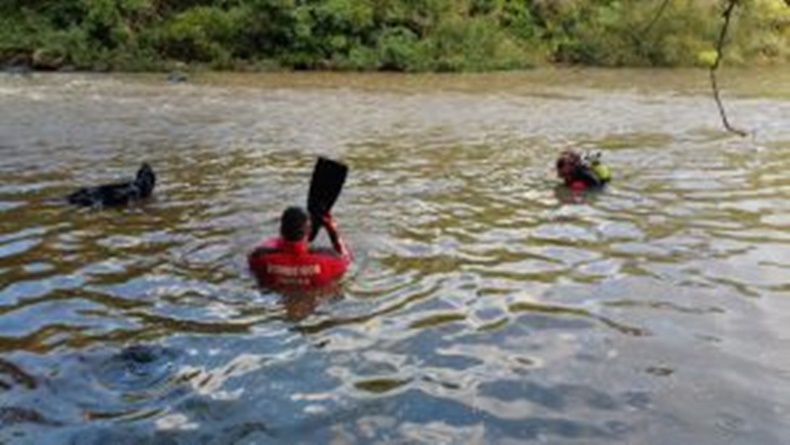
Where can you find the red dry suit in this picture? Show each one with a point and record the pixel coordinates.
(277, 263)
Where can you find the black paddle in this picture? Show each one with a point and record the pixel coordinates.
(325, 186)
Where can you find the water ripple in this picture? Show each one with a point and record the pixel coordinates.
(485, 305)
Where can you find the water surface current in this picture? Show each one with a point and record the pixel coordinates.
(485, 305)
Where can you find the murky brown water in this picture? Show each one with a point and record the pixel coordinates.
(485, 307)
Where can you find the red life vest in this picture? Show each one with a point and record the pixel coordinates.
(577, 185)
(277, 263)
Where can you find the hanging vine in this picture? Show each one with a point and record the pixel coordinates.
(727, 15)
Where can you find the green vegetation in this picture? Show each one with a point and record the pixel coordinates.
(397, 35)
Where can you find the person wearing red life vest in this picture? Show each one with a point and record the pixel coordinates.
(579, 175)
(288, 262)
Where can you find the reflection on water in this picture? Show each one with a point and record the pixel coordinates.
(485, 306)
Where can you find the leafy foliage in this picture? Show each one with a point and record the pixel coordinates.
(397, 35)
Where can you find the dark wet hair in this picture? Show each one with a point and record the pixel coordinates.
(293, 224)
(568, 158)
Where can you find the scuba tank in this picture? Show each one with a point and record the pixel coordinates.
(601, 170)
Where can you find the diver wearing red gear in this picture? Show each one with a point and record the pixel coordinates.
(579, 174)
(287, 261)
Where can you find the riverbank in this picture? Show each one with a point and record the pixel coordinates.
(434, 36)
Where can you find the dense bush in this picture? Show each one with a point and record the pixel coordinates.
(396, 35)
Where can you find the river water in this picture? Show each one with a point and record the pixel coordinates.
(485, 305)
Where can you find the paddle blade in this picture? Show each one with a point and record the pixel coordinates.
(325, 186)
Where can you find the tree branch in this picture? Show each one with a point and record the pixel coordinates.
(657, 15)
(722, 36)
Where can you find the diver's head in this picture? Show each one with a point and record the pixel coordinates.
(294, 224)
(567, 163)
